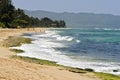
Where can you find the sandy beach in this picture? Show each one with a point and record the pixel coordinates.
(12, 69)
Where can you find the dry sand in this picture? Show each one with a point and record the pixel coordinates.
(11, 69)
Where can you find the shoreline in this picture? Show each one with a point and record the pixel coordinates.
(5, 33)
(18, 69)
(75, 73)
(55, 55)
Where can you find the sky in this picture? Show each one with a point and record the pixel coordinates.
(76, 6)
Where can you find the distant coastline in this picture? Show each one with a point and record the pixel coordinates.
(80, 20)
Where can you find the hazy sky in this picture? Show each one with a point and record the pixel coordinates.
(95, 6)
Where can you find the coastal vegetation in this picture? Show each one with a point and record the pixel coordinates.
(102, 76)
(34, 60)
(14, 41)
(51, 63)
(10, 17)
(105, 76)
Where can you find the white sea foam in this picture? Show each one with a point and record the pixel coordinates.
(65, 38)
(78, 41)
(41, 52)
(43, 48)
(53, 34)
(107, 29)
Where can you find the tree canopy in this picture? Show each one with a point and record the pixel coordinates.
(10, 17)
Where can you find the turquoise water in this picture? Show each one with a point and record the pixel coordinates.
(98, 49)
(95, 44)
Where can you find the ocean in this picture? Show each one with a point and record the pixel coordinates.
(98, 49)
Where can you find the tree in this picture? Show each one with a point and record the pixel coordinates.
(11, 17)
(56, 23)
(34, 22)
(6, 7)
(18, 23)
(62, 23)
(46, 22)
(6, 12)
(6, 19)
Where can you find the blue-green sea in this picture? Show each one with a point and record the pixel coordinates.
(93, 44)
(98, 49)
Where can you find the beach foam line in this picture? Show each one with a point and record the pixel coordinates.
(43, 48)
(52, 55)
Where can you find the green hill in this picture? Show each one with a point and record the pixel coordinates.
(86, 20)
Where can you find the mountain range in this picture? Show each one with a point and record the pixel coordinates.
(80, 20)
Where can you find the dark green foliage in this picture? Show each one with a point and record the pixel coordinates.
(16, 18)
(47, 22)
(6, 12)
